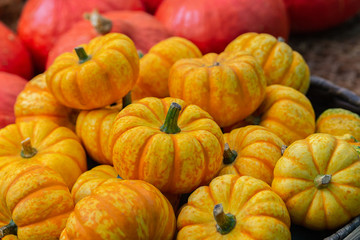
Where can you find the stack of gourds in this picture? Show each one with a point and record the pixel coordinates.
(234, 130)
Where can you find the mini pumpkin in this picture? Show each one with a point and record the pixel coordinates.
(318, 179)
(251, 151)
(122, 209)
(95, 74)
(281, 64)
(229, 86)
(234, 207)
(171, 144)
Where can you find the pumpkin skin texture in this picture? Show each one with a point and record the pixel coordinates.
(260, 213)
(313, 16)
(42, 22)
(122, 209)
(38, 199)
(36, 102)
(281, 64)
(175, 162)
(310, 204)
(218, 22)
(229, 86)
(14, 57)
(56, 147)
(338, 121)
(143, 29)
(105, 77)
(155, 66)
(286, 112)
(12, 85)
(257, 150)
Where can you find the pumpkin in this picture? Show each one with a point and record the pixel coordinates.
(212, 24)
(42, 22)
(36, 102)
(286, 112)
(95, 74)
(10, 237)
(122, 209)
(38, 199)
(281, 64)
(229, 86)
(251, 151)
(318, 179)
(339, 121)
(173, 145)
(155, 66)
(234, 207)
(143, 29)
(45, 142)
(12, 85)
(14, 57)
(313, 16)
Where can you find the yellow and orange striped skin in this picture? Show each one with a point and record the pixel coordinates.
(122, 209)
(174, 163)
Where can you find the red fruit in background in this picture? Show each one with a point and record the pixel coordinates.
(144, 29)
(315, 15)
(212, 24)
(11, 86)
(14, 57)
(43, 21)
(151, 5)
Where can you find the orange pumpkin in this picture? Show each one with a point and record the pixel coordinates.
(229, 86)
(156, 64)
(286, 112)
(168, 143)
(234, 207)
(281, 64)
(38, 199)
(45, 142)
(338, 121)
(122, 209)
(251, 151)
(318, 179)
(36, 102)
(95, 74)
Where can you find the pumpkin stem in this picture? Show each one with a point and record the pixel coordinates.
(281, 39)
(27, 150)
(322, 181)
(170, 125)
(229, 155)
(102, 25)
(140, 53)
(224, 222)
(80, 52)
(126, 100)
(283, 148)
(9, 229)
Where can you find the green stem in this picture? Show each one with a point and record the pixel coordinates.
(224, 222)
(140, 53)
(9, 229)
(322, 181)
(170, 125)
(82, 55)
(229, 155)
(283, 148)
(27, 150)
(126, 100)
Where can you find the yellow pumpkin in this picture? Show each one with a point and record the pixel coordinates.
(173, 145)
(96, 74)
(319, 180)
(234, 207)
(281, 64)
(251, 151)
(229, 86)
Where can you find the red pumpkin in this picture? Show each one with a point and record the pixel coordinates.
(212, 24)
(43, 21)
(311, 16)
(143, 29)
(11, 86)
(14, 57)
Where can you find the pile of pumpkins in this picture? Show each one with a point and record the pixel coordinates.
(234, 131)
